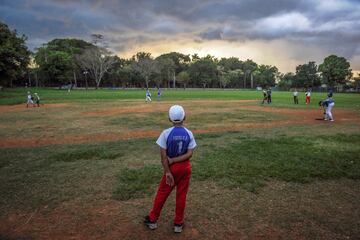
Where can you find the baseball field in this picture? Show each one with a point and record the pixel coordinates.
(84, 165)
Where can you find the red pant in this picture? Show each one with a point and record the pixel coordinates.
(182, 173)
(307, 100)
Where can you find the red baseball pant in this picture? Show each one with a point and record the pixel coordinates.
(181, 172)
(307, 100)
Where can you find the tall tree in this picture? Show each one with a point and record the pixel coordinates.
(183, 77)
(227, 77)
(249, 66)
(231, 63)
(220, 71)
(286, 81)
(112, 76)
(145, 66)
(54, 66)
(335, 70)
(166, 67)
(195, 57)
(125, 74)
(307, 75)
(203, 71)
(97, 61)
(234, 78)
(14, 55)
(266, 75)
(73, 47)
(65, 47)
(356, 82)
(181, 61)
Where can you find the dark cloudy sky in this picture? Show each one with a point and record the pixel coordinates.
(283, 33)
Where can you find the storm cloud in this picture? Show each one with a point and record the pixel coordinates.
(284, 33)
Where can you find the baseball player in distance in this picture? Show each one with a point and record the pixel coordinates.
(307, 96)
(29, 100)
(176, 148)
(37, 99)
(328, 104)
(147, 96)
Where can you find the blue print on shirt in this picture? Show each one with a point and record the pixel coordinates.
(177, 142)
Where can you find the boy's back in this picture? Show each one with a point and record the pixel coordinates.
(176, 148)
(176, 141)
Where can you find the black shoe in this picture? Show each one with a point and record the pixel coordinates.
(150, 224)
(178, 228)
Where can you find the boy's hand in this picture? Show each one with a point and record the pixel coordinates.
(169, 179)
(170, 161)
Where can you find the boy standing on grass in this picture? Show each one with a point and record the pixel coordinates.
(29, 100)
(295, 94)
(159, 94)
(269, 100)
(264, 97)
(307, 96)
(147, 96)
(176, 148)
(37, 99)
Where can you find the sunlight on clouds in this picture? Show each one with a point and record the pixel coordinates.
(355, 64)
(333, 5)
(276, 52)
(289, 22)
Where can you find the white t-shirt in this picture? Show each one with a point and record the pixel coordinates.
(296, 93)
(162, 140)
(307, 94)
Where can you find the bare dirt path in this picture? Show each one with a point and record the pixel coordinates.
(22, 107)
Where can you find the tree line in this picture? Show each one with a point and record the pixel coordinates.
(75, 62)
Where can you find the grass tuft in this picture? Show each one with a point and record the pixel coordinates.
(85, 154)
(135, 183)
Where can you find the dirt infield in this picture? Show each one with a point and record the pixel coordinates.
(293, 117)
(21, 107)
(163, 107)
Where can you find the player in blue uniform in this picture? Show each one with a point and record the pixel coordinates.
(159, 94)
(176, 148)
(328, 104)
(147, 96)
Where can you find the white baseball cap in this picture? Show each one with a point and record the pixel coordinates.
(176, 113)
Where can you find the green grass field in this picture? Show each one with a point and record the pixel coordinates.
(85, 165)
(18, 96)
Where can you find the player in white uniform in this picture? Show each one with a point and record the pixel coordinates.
(296, 94)
(29, 100)
(148, 96)
(329, 104)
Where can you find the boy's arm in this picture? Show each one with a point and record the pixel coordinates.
(164, 161)
(181, 158)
